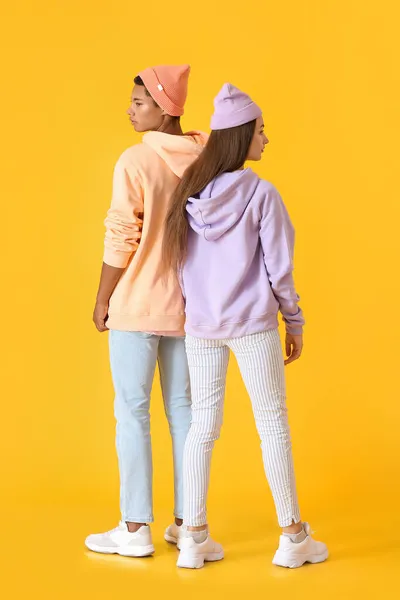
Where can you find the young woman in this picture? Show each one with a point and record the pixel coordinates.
(229, 237)
(145, 314)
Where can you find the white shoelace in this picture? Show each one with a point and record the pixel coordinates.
(120, 527)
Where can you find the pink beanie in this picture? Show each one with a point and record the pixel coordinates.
(233, 108)
(167, 85)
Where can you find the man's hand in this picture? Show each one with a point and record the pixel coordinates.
(108, 280)
(100, 316)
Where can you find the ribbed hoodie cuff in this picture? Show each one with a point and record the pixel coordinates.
(294, 330)
(116, 259)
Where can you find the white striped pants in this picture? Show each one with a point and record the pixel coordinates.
(260, 361)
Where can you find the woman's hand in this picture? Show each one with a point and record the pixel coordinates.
(100, 316)
(294, 347)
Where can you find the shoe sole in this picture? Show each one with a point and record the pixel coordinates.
(123, 551)
(294, 562)
(197, 562)
(171, 540)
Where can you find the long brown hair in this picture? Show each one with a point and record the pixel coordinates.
(226, 151)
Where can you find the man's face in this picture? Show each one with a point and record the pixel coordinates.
(143, 112)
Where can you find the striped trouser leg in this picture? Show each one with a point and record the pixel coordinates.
(208, 363)
(260, 360)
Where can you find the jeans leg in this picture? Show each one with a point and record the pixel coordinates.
(133, 358)
(174, 375)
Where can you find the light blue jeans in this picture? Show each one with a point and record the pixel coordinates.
(133, 357)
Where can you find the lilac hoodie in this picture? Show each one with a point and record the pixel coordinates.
(238, 271)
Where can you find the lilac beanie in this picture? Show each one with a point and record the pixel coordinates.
(233, 108)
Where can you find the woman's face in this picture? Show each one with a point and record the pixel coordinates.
(258, 142)
(143, 113)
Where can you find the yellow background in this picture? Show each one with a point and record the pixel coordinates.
(327, 76)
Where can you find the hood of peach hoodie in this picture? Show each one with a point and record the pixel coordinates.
(178, 151)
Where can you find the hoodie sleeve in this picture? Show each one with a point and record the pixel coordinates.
(277, 240)
(125, 217)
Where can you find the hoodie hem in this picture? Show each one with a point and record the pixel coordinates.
(234, 329)
(164, 323)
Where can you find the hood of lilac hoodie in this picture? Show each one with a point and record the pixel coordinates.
(238, 270)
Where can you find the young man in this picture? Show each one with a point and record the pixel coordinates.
(143, 311)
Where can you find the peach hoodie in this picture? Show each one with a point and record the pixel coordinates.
(145, 178)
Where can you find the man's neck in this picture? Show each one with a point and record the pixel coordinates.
(172, 128)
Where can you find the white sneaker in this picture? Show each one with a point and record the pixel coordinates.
(194, 555)
(173, 533)
(121, 541)
(293, 555)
